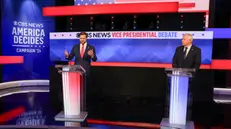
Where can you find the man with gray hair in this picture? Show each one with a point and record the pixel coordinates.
(187, 55)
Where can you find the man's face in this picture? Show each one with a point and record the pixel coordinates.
(83, 39)
(186, 40)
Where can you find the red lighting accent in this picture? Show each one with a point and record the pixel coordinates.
(128, 124)
(221, 64)
(158, 16)
(112, 17)
(138, 124)
(216, 64)
(11, 59)
(162, 7)
(71, 19)
(149, 65)
(7, 116)
(181, 16)
(187, 5)
(91, 18)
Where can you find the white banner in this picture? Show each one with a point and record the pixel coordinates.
(134, 35)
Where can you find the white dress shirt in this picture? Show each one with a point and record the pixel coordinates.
(189, 47)
(85, 46)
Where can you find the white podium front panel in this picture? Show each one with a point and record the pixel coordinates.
(178, 100)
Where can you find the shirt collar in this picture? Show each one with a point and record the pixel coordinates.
(188, 47)
(83, 44)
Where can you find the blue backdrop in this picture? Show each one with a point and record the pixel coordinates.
(25, 32)
(131, 50)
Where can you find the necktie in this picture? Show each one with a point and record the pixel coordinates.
(82, 51)
(185, 52)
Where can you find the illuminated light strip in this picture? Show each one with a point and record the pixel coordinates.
(216, 64)
(187, 5)
(11, 59)
(222, 91)
(23, 91)
(22, 83)
(143, 1)
(71, 90)
(125, 64)
(128, 124)
(117, 9)
(7, 116)
(181, 5)
(162, 7)
(150, 65)
(221, 64)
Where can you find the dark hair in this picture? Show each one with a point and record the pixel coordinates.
(81, 33)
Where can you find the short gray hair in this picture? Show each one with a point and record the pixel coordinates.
(189, 35)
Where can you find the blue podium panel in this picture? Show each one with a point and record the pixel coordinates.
(178, 99)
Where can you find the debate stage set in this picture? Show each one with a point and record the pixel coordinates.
(132, 85)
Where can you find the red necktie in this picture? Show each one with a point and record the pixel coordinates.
(82, 51)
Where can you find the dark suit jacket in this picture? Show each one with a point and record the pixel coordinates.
(85, 62)
(193, 59)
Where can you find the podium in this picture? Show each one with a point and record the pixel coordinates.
(73, 94)
(178, 99)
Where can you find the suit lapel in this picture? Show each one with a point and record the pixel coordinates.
(182, 52)
(78, 51)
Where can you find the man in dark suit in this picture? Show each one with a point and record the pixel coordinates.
(83, 53)
(187, 55)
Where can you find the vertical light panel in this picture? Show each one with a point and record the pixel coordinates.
(71, 93)
(178, 99)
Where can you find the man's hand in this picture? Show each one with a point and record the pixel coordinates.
(66, 53)
(90, 53)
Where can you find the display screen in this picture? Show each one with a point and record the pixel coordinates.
(132, 46)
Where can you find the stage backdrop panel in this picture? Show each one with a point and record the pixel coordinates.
(25, 32)
(184, 5)
(132, 46)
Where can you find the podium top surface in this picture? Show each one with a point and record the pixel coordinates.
(180, 69)
(70, 68)
(180, 72)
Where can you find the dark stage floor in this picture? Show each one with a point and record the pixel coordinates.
(35, 109)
